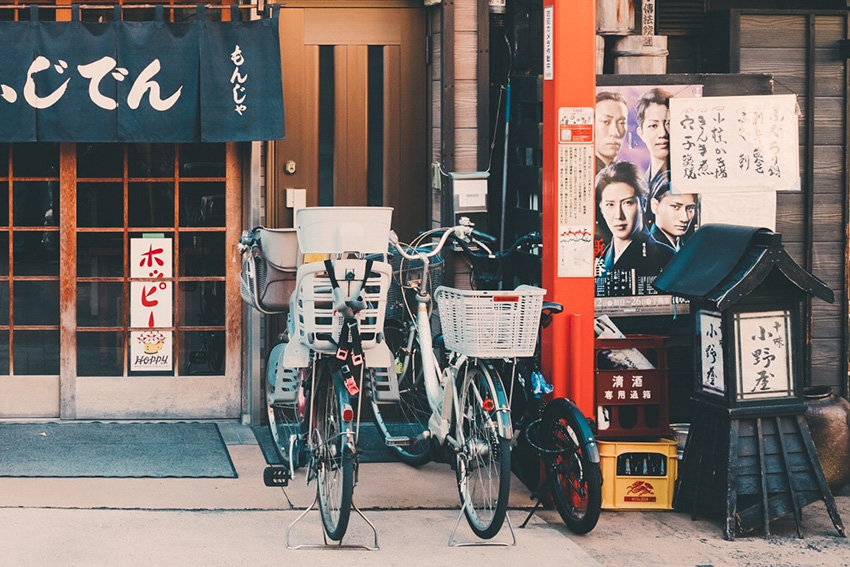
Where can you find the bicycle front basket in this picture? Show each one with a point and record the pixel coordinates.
(491, 324)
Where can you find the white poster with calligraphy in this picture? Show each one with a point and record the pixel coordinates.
(151, 304)
(763, 363)
(711, 352)
(151, 257)
(151, 351)
(575, 210)
(740, 142)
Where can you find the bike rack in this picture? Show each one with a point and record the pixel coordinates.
(454, 543)
(326, 544)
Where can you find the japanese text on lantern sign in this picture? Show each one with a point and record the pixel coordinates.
(764, 361)
(711, 350)
(237, 79)
(734, 142)
(151, 297)
(95, 73)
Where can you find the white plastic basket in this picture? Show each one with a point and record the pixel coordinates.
(335, 230)
(317, 325)
(491, 324)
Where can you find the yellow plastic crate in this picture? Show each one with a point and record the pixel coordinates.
(638, 475)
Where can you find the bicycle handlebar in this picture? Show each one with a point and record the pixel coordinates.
(531, 237)
(457, 232)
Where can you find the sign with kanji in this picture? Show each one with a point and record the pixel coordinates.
(627, 387)
(711, 352)
(734, 143)
(151, 303)
(763, 360)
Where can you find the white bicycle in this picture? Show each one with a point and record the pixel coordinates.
(315, 376)
(467, 422)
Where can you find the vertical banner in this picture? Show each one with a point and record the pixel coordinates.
(16, 116)
(160, 95)
(151, 304)
(151, 81)
(71, 82)
(241, 89)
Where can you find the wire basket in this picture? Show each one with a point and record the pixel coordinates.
(317, 324)
(491, 324)
(404, 271)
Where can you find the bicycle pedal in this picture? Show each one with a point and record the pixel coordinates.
(400, 441)
(276, 476)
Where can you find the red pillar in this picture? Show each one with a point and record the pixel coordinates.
(569, 85)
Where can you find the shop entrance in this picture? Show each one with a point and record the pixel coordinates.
(87, 330)
(354, 86)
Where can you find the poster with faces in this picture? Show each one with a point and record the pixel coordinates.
(641, 222)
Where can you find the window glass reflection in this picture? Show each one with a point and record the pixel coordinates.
(36, 352)
(150, 160)
(36, 203)
(150, 204)
(202, 352)
(202, 160)
(100, 204)
(202, 204)
(100, 304)
(201, 303)
(36, 253)
(201, 254)
(36, 159)
(36, 302)
(100, 353)
(100, 255)
(100, 160)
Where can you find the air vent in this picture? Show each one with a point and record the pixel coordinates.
(680, 17)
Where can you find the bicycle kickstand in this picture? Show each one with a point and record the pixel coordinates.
(530, 514)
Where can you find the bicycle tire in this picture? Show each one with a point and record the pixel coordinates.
(573, 480)
(409, 416)
(484, 462)
(285, 416)
(333, 460)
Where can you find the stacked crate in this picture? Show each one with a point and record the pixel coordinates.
(638, 466)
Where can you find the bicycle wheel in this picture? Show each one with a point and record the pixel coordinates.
(333, 459)
(574, 481)
(484, 460)
(407, 417)
(285, 414)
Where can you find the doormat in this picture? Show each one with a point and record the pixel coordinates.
(372, 447)
(120, 450)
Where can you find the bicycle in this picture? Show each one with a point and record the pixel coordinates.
(467, 422)
(555, 433)
(315, 375)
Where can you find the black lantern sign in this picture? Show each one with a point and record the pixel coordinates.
(746, 297)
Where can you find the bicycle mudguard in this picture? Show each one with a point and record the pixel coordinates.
(506, 428)
(591, 448)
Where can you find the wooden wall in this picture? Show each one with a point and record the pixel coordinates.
(803, 60)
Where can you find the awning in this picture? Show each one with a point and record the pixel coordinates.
(153, 81)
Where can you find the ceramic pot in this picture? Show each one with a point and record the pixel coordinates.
(828, 417)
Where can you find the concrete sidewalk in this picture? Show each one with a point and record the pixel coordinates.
(210, 522)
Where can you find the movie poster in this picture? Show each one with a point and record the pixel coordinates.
(641, 222)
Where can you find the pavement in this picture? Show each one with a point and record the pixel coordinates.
(119, 522)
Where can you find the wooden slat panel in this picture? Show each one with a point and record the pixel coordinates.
(351, 100)
(323, 26)
(466, 55)
(788, 65)
(299, 68)
(466, 15)
(829, 121)
(436, 104)
(466, 149)
(827, 319)
(828, 216)
(827, 366)
(829, 29)
(763, 31)
(829, 169)
(829, 73)
(828, 262)
(436, 58)
(789, 216)
(466, 104)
